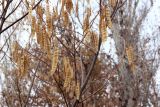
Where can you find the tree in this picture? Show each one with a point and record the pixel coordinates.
(63, 63)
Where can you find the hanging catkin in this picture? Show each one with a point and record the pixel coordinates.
(130, 57)
(48, 19)
(48, 48)
(55, 14)
(44, 37)
(108, 18)
(112, 3)
(67, 80)
(30, 10)
(68, 72)
(66, 18)
(63, 4)
(46, 43)
(94, 41)
(86, 26)
(55, 57)
(39, 32)
(15, 51)
(39, 12)
(33, 26)
(69, 5)
(104, 31)
(102, 24)
(24, 63)
(129, 53)
(77, 90)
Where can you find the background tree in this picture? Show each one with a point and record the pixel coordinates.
(63, 63)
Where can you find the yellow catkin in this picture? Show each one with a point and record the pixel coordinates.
(30, 10)
(130, 57)
(104, 31)
(102, 24)
(112, 3)
(48, 48)
(68, 72)
(77, 90)
(39, 12)
(94, 41)
(129, 53)
(108, 18)
(69, 5)
(71, 71)
(103, 28)
(39, 34)
(38, 31)
(133, 67)
(55, 57)
(48, 19)
(44, 37)
(72, 89)
(55, 14)
(33, 26)
(67, 80)
(86, 24)
(15, 52)
(103, 13)
(88, 11)
(63, 3)
(73, 85)
(46, 42)
(66, 18)
(41, 38)
(24, 63)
